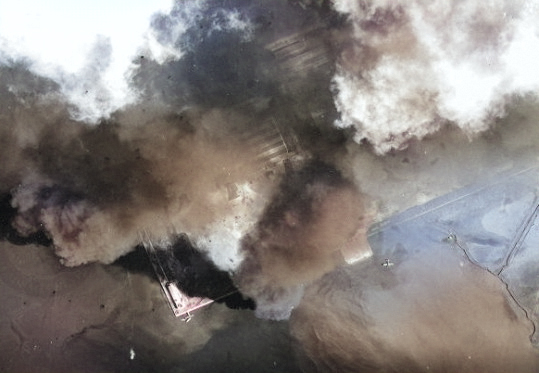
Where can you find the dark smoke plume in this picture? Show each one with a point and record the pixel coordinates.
(299, 237)
(94, 188)
(218, 86)
(169, 164)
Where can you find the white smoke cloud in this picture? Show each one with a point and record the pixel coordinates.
(88, 48)
(413, 66)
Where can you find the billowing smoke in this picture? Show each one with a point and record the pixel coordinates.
(410, 68)
(81, 47)
(305, 232)
(230, 128)
(95, 190)
(199, 151)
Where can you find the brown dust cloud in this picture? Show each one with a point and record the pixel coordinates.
(273, 134)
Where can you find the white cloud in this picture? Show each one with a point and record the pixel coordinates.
(60, 39)
(414, 65)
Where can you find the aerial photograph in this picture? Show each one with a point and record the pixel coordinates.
(193, 186)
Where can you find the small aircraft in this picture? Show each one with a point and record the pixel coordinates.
(387, 263)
